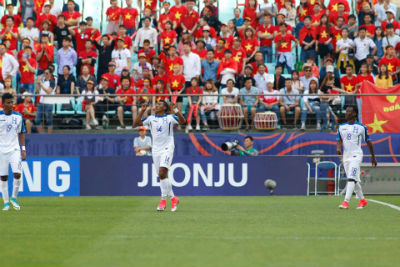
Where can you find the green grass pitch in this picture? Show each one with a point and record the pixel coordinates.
(205, 231)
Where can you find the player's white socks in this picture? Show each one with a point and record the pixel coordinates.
(164, 188)
(16, 184)
(358, 190)
(170, 191)
(4, 191)
(349, 190)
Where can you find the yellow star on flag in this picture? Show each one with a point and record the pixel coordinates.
(284, 45)
(171, 67)
(338, 36)
(25, 68)
(167, 40)
(128, 16)
(312, 2)
(236, 58)
(377, 125)
(324, 34)
(303, 12)
(334, 7)
(70, 19)
(390, 67)
(349, 88)
(1, 63)
(266, 32)
(175, 83)
(248, 47)
(148, 2)
(8, 36)
(178, 15)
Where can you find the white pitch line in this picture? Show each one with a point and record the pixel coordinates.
(385, 204)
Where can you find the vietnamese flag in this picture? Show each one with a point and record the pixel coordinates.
(381, 114)
(227, 64)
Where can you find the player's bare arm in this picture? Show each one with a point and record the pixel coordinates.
(177, 113)
(339, 147)
(138, 119)
(21, 137)
(371, 150)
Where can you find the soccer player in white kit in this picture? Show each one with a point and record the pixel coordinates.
(350, 135)
(12, 136)
(161, 126)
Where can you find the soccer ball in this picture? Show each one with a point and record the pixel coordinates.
(270, 184)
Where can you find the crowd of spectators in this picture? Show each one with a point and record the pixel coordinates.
(267, 48)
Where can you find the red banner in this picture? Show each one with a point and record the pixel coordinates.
(381, 114)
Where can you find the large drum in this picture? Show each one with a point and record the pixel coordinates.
(265, 120)
(230, 117)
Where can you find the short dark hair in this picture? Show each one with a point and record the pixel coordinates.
(354, 108)
(165, 104)
(390, 26)
(349, 66)
(211, 50)
(6, 96)
(30, 18)
(248, 79)
(249, 137)
(10, 17)
(308, 17)
(147, 18)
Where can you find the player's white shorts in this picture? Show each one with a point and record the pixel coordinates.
(163, 158)
(352, 167)
(12, 158)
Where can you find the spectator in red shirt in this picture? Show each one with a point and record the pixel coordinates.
(307, 39)
(200, 49)
(284, 48)
(340, 12)
(130, 17)
(126, 103)
(10, 13)
(172, 60)
(251, 13)
(266, 35)
(392, 62)
(250, 44)
(81, 34)
(27, 70)
(45, 54)
(164, 17)
(28, 111)
(176, 85)
(87, 57)
(46, 16)
(10, 33)
(369, 26)
(160, 90)
(363, 76)
(128, 44)
(168, 36)
(194, 105)
(113, 17)
(113, 78)
(190, 19)
(177, 13)
(72, 17)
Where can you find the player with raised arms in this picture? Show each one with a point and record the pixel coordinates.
(162, 130)
(12, 136)
(350, 136)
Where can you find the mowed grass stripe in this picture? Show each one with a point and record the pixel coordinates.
(206, 231)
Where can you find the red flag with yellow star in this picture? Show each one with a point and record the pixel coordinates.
(381, 114)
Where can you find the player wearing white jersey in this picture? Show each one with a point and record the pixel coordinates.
(350, 135)
(161, 126)
(12, 129)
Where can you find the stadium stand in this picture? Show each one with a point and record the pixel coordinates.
(100, 60)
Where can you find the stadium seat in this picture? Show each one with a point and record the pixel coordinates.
(325, 166)
(62, 110)
(78, 106)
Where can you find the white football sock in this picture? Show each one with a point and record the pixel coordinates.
(349, 191)
(170, 191)
(164, 188)
(16, 184)
(358, 190)
(4, 191)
